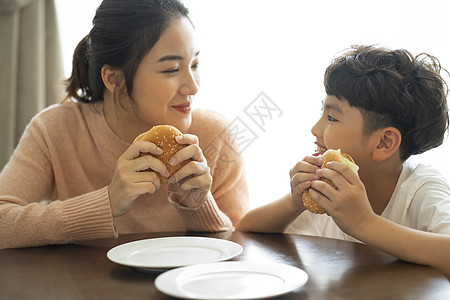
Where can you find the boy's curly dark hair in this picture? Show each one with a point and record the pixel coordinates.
(393, 88)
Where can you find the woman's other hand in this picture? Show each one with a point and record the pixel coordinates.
(190, 185)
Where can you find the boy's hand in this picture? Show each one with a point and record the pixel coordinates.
(302, 174)
(347, 204)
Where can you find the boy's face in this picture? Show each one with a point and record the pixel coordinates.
(341, 127)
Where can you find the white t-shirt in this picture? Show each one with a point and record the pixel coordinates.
(421, 200)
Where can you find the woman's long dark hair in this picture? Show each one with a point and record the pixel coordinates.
(123, 32)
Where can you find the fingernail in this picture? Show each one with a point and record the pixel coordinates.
(173, 161)
(159, 150)
(167, 173)
(171, 179)
(179, 138)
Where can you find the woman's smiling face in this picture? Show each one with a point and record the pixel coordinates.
(167, 78)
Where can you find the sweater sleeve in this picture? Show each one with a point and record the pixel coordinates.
(229, 187)
(207, 217)
(228, 201)
(26, 181)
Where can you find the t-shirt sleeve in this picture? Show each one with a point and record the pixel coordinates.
(430, 207)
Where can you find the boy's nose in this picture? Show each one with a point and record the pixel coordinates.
(315, 130)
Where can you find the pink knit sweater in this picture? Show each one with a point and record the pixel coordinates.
(68, 155)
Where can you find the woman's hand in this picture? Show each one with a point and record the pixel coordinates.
(190, 185)
(302, 174)
(129, 180)
(347, 204)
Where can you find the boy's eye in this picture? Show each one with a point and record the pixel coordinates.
(331, 119)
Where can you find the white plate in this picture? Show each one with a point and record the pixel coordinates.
(231, 280)
(160, 254)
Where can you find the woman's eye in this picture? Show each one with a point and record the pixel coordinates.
(331, 119)
(171, 71)
(195, 66)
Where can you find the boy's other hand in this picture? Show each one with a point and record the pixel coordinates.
(302, 174)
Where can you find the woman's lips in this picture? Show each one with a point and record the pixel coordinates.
(183, 108)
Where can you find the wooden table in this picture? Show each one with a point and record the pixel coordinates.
(336, 269)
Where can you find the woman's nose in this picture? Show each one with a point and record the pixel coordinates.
(190, 85)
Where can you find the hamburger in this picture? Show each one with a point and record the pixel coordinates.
(329, 155)
(164, 137)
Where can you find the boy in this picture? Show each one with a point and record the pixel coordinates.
(382, 106)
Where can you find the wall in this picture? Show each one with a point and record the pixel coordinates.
(275, 52)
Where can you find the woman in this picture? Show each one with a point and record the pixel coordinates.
(137, 68)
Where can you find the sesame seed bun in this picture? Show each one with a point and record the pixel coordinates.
(329, 155)
(164, 137)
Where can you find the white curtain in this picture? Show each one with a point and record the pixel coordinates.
(31, 71)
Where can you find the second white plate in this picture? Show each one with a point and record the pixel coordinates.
(231, 280)
(160, 254)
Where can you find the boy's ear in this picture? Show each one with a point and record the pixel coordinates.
(388, 142)
(112, 78)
